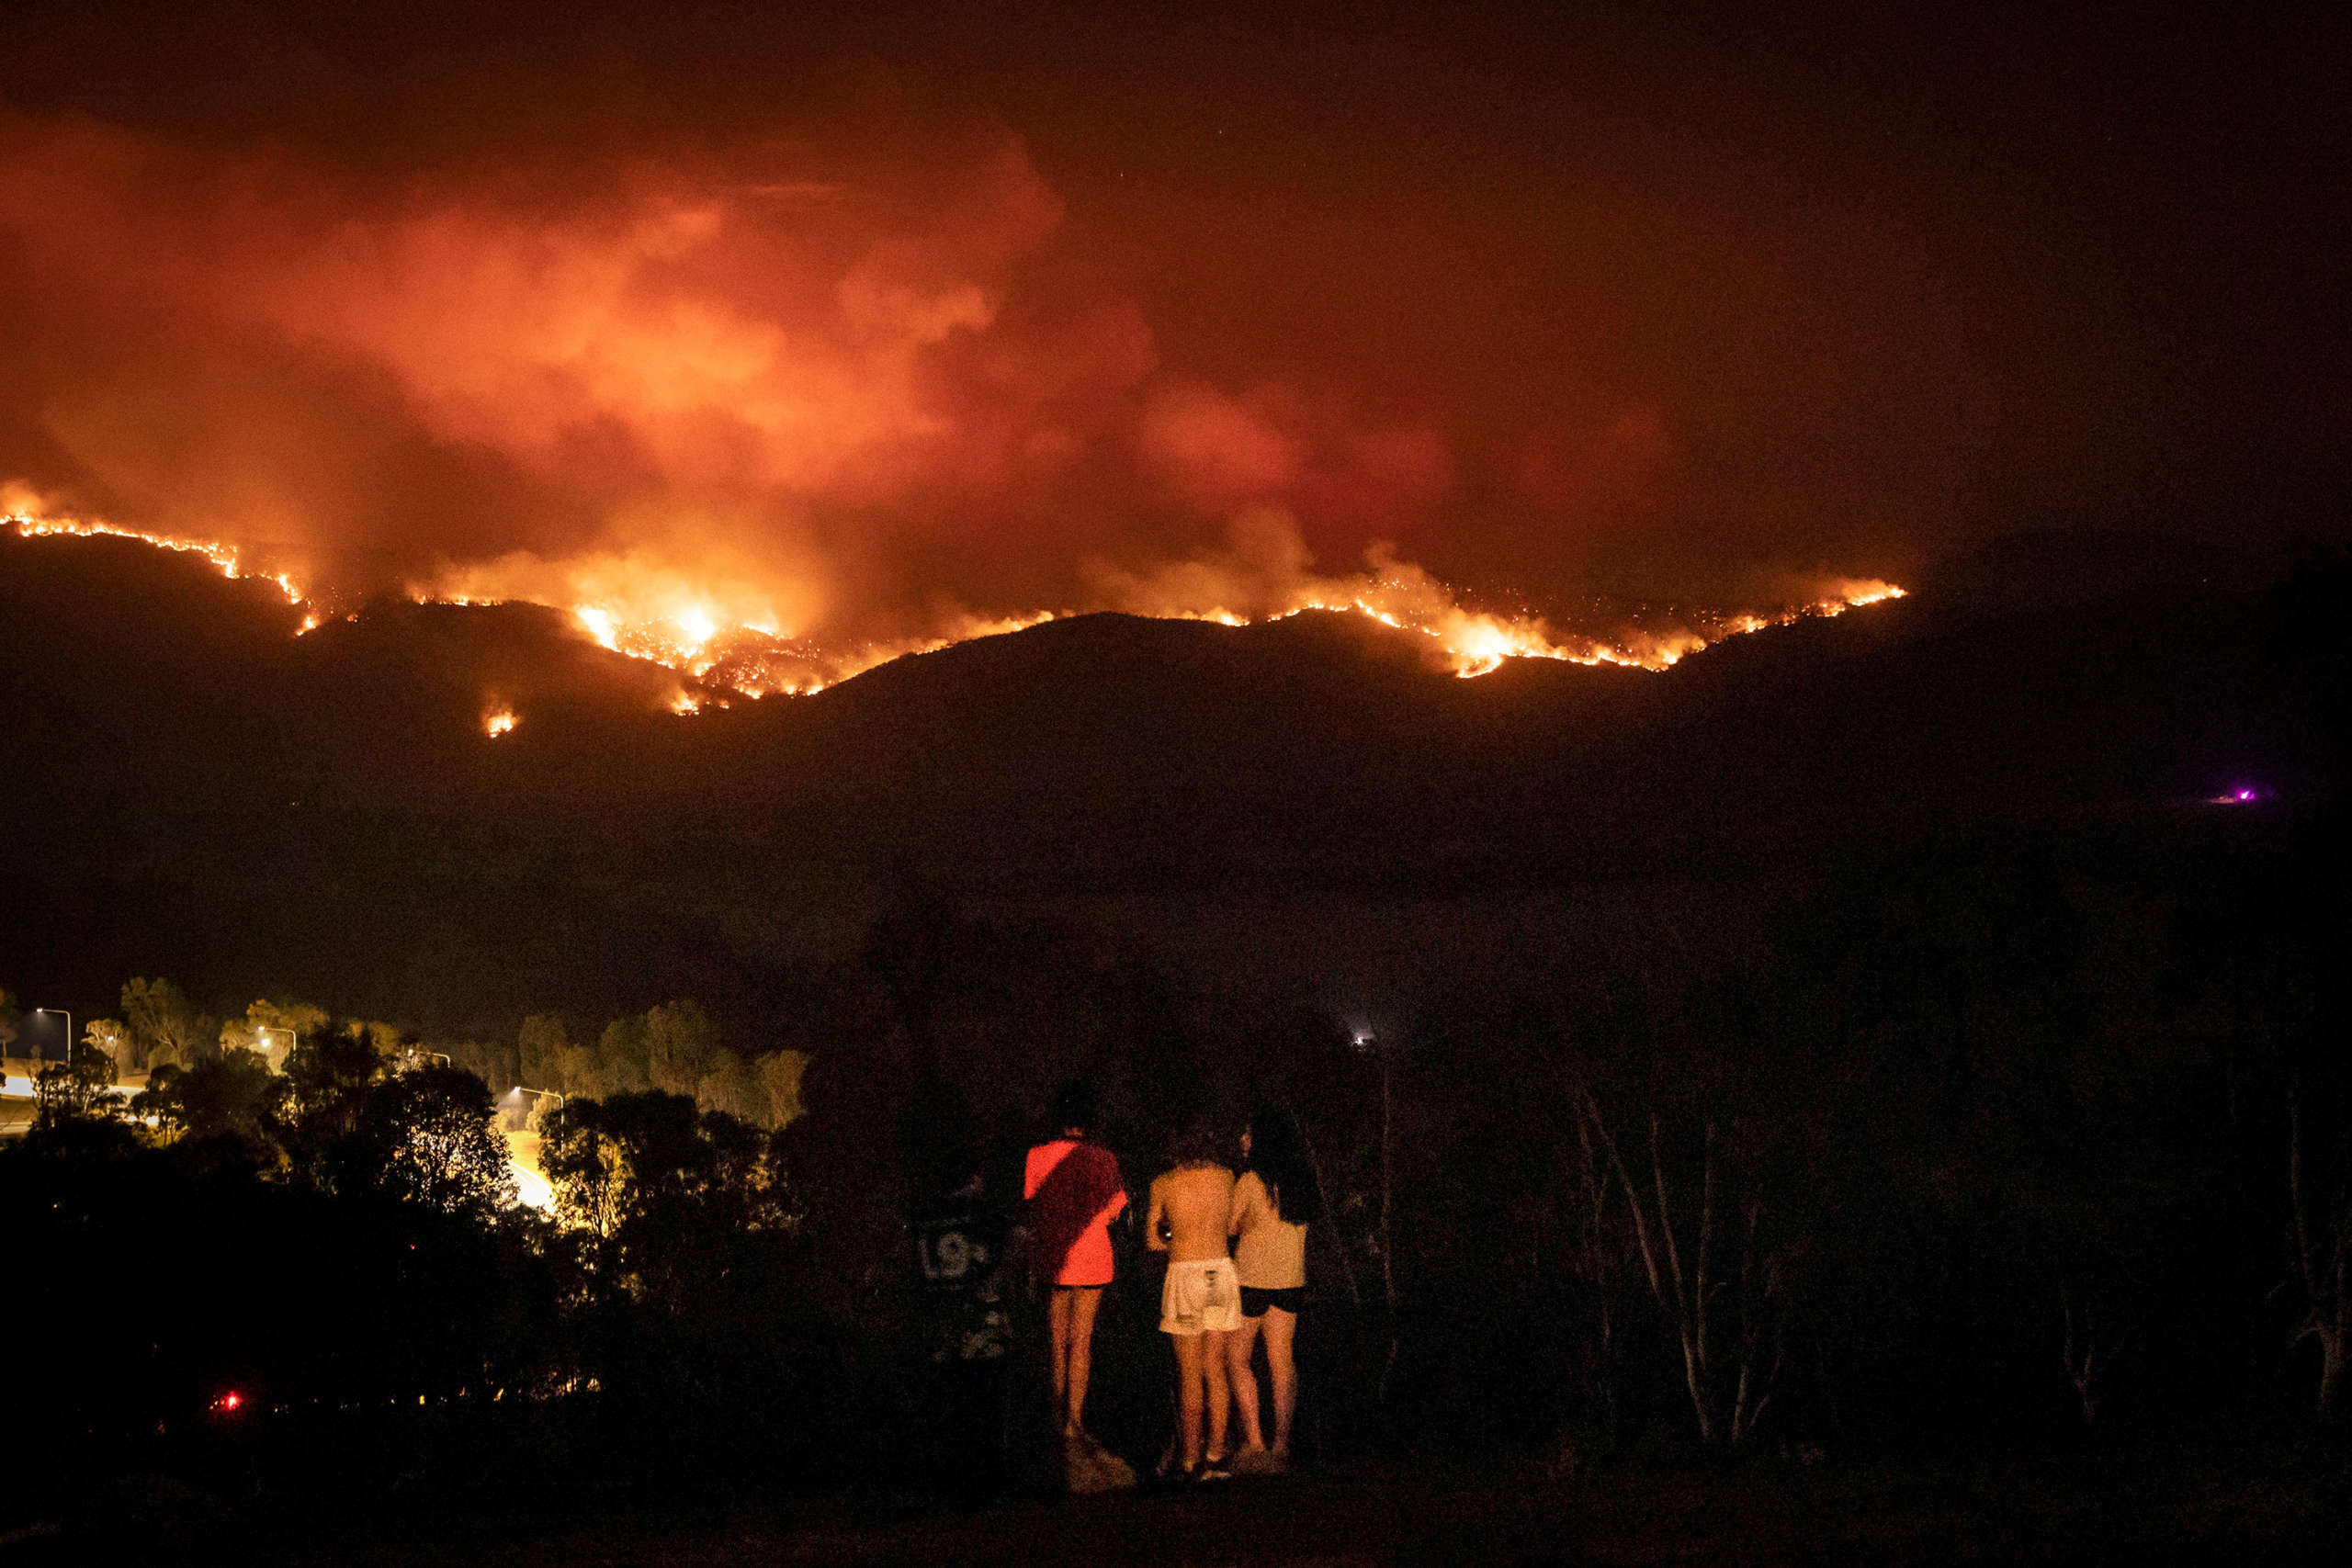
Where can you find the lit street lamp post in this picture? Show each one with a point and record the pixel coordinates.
(262, 1032)
(520, 1089)
(68, 1017)
(1365, 1040)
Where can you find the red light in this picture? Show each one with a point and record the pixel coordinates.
(228, 1403)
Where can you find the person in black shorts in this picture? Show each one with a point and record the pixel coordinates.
(1274, 1203)
(1256, 1302)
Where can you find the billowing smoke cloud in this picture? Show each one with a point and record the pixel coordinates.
(770, 318)
(820, 392)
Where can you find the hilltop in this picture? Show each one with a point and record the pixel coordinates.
(198, 789)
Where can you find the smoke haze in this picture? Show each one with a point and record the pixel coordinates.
(859, 334)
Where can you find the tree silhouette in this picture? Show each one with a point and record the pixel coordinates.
(427, 1137)
(165, 1027)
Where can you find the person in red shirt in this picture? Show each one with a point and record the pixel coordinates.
(1074, 1192)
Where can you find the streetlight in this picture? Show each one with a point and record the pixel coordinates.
(520, 1089)
(69, 1033)
(262, 1032)
(1369, 1043)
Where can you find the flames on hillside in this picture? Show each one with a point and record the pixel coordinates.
(725, 640)
(223, 556)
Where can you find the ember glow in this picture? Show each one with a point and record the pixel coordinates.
(497, 721)
(777, 413)
(1261, 572)
(772, 415)
(775, 364)
(693, 630)
(22, 509)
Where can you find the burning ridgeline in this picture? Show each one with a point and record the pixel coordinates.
(723, 637)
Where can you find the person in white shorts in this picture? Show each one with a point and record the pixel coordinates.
(1202, 1296)
(1201, 1302)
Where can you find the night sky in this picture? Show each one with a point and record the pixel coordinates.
(855, 320)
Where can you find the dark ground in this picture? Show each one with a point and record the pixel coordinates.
(2273, 1507)
(2289, 1503)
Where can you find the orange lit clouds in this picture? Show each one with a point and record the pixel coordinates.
(710, 330)
(770, 416)
(1218, 452)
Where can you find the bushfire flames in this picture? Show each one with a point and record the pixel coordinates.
(718, 636)
(225, 556)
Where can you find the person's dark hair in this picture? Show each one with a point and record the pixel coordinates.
(1074, 1106)
(1197, 1143)
(1278, 1153)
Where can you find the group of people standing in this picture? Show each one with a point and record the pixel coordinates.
(1235, 1244)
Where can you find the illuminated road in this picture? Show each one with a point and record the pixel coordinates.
(17, 1093)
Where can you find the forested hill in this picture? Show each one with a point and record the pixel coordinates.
(195, 788)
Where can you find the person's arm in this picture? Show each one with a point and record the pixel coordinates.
(1239, 1210)
(1151, 1236)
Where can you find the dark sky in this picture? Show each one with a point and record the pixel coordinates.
(851, 320)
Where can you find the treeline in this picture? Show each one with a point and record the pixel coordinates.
(675, 1048)
(310, 1284)
(2010, 1136)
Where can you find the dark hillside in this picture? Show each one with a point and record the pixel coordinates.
(193, 788)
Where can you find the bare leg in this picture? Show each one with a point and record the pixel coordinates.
(1189, 1358)
(1058, 1327)
(1213, 1373)
(1081, 1352)
(1244, 1378)
(1245, 1381)
(1281, 1332)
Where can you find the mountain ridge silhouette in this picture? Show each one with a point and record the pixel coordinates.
(195, 789)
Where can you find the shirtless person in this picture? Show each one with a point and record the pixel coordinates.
(1202, 1301)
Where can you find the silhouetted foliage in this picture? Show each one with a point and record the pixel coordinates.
(2009, 1136)
(426, 1137)
(326, 1082)
(81, 1086)
(232, 1094)
(163, 1027)
(666, 1189)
